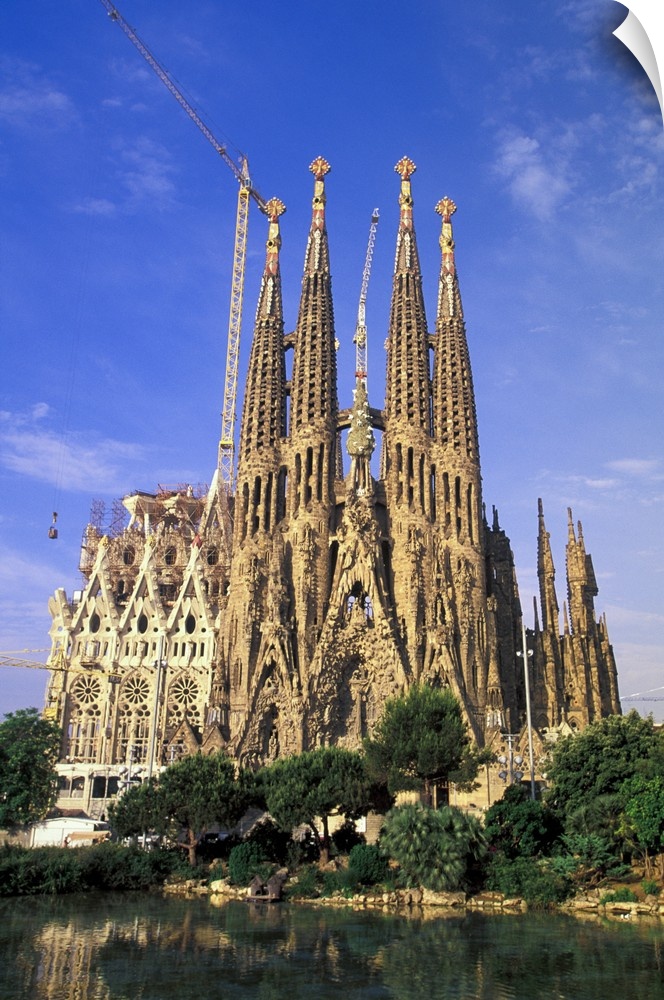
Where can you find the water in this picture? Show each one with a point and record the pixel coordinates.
(145, 947)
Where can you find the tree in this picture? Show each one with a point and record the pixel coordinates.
(200, 790)
(138, 810)
(433, 847)
(420, 738)
(519, 827)
(597, 761)
(191, 794)
(644, 809)
(314, 785)
(29, 750)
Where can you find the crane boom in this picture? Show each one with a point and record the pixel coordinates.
(247, 190)
(360, 338)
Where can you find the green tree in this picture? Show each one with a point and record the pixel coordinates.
(597, 761)
(201, 790)
(138, 810)
(29, 750)
(315, 785)
(420, 738)
(519, 827)
(644, 809)
(434, 847)
(191, 795)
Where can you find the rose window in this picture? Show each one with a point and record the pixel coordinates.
(136, 690)
(86, 690)
(184, 690)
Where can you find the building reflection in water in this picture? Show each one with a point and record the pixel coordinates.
(145, 947)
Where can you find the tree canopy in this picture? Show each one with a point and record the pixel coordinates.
(29, 750)
(420, 738)
(316, 784)
(191, 794)
(599, 760)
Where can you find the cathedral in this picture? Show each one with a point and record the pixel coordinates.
(280, 615)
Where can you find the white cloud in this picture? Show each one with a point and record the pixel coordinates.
(637, 467)
(146, 171)
(537, 186)
(28, 99)
(73, 461)
(95, 206)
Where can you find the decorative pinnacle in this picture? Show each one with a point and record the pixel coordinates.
(319, 168)
(446, 208)
(405, 168)
(274, 208)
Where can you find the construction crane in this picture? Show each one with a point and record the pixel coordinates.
(645, 695)
(12, 659)
(360, 338)
(240, 168)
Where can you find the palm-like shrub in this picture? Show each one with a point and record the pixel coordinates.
(434, 848)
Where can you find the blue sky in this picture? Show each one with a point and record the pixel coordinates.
(117, 221)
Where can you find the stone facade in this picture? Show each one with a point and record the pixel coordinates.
(282, 616)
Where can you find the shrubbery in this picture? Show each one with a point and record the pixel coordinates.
(367, 864)
(246, 860)
(527, 878)
(435, 848)
(51, 870)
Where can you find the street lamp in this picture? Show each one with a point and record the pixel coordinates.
(525, 653)
(510, 760)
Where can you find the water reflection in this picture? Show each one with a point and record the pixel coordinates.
(131, 947)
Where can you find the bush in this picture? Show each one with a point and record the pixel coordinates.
(245, 861)
(367, 864)
(528, 879)
(307, 884)
(55, 870)
(621, 895)
(435, 848)
(342, 881)
(272, 842)
(650, 887)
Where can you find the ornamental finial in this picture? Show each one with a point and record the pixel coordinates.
(274, 208)
(320, 167)
(405, 167)
(446, 208)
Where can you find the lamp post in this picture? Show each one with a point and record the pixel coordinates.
(160, 664)
(525, 654)
(510, 760)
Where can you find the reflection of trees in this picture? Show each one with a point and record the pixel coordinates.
(113, 947)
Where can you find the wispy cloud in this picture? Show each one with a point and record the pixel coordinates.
(641, 468)
(95, 206)
(75, 461)
(29, 99)
(536, 183)
(146, 172)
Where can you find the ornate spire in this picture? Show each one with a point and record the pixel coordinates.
(314, 393)
(406, 255)
(408, 380)
(267, 303)
(317, 257)
(449, 299)
(581, 582)
(546, 574)
(454, 415)
(263, 418)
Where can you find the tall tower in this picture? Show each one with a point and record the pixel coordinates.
(312, 437)
(407, 439)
